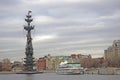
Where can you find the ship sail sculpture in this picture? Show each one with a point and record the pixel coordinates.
(29, 60)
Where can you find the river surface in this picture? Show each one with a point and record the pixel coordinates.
(53, 76)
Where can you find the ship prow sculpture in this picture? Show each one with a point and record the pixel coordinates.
(29, 60)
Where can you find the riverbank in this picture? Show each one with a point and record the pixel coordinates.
(7, 72)
(21, 72)
(97, 71)
(103, 71)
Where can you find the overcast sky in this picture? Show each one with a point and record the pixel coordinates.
(62, 27)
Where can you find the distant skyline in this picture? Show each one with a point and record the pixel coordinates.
(62, 27)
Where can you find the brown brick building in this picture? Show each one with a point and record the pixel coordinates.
(41, 64)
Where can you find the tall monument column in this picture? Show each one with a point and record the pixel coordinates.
(29, 60)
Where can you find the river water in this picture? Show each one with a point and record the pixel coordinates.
(53, 76)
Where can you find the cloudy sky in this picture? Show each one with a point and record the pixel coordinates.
(62, 27)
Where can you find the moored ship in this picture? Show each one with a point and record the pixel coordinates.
(70, 69)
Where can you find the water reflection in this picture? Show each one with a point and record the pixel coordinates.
(29, 77)
(53, 76)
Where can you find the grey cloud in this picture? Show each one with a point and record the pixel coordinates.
(79, 9)
(9, 2)
(79, 27)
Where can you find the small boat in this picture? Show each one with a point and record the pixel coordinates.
(70, 69)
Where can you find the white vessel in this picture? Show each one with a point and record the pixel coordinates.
(70, 68)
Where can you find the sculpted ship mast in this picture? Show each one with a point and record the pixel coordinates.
(29, 62)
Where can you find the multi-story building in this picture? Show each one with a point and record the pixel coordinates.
(50, 63)
(112, 54)
(41, 64)
(53, 61)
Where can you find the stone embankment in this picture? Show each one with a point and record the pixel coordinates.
(7, 72)
(103, 71)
